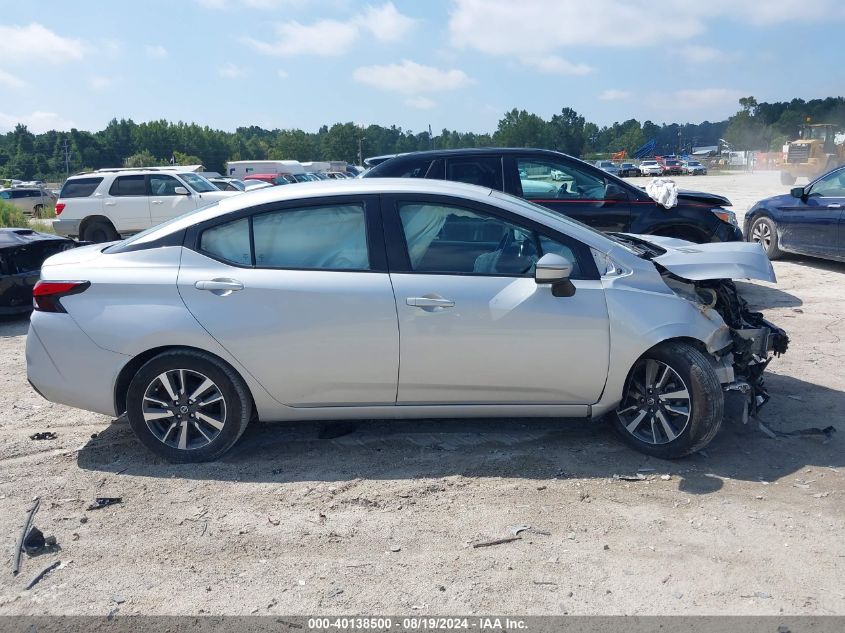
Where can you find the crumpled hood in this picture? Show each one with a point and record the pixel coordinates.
(717, 260)
(702, 197)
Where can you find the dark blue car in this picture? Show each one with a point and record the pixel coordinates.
(808, 220)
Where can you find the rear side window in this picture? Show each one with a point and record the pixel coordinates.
(128, 186)
(80, 187)
(484, 171)
(317, 238)
(229, 242)
(413, 169)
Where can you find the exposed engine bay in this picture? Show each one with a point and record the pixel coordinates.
(698, 273)
(755, 341)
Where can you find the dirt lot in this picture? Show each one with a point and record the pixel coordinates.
(382, 520)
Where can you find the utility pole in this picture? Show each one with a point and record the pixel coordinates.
(361, 140)
(67, 157)
(430, 137)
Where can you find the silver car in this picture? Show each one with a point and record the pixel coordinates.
(398, 298)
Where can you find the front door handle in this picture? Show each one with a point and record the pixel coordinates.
(110, 204)
(430, 303)
(219, 286)
(155, 201)
(834, 206)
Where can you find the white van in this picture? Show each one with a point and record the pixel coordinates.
(240, 169)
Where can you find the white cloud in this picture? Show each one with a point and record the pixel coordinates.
(331, 38)
(156, 51)
(325, 38)
(37, 122)
(11, 81)
(231, 71)
(612, 94)
(421, 103)
(698, 54)
(505, 27)
(556, 65)
(35, 43)
(98, 82)
(705, 97)
(283, 74)
(410, 78)
(386, 23)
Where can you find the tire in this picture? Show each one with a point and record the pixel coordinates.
(99, 231)
(763, 231)
(185, 430)
(787, 179)
(691, 379)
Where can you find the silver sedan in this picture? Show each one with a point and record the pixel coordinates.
(398, 299)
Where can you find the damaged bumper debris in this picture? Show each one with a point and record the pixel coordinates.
(753, 342)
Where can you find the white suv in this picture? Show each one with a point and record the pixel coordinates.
(104, 205)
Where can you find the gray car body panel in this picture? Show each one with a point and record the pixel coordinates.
(716, 260)
(137, 303)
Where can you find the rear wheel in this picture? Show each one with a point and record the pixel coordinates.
(187, 406)
(99, 231)
(673, 403)
(764, 232)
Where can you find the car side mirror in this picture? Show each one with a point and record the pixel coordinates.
(555, 270)
(797, 192)
(181, 191)
(612, 191)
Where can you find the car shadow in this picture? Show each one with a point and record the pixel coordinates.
(816, 263)
(760, 297)
(16, 325)
(539, 449)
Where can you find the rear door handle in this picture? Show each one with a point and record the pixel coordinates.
(834, 206)
(110, 204)
(155, 201)
(430, 302)
(219, 286)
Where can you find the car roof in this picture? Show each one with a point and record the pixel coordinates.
(375, 186)
(437, 153)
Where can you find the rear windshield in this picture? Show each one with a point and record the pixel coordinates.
(80, 187)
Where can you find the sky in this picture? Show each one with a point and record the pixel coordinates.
(456, 64)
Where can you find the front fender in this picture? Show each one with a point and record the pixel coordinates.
(641, 318)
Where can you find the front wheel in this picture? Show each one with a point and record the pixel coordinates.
(764, 232)
(187, 406)
(672, 404)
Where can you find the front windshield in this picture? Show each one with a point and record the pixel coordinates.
(198, 183)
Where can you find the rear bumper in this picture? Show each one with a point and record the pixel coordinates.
(67, 228)
(67, 367)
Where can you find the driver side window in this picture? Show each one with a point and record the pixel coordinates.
(543, 179)
(831, 186)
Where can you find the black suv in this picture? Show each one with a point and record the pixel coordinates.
(572, 187)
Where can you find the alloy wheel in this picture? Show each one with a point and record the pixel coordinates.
(184, 409)
(656, 407)
(762, 234)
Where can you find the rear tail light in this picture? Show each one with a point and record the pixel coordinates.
(46, 294)
(60, 206)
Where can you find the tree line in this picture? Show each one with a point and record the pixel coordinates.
(48, 156)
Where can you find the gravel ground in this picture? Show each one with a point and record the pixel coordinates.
(382, 520)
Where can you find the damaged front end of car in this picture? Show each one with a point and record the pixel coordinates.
(754, 341)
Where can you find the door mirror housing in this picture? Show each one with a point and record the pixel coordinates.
(555, 270)
(797, 192)
(181, 191)
(612, 191)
